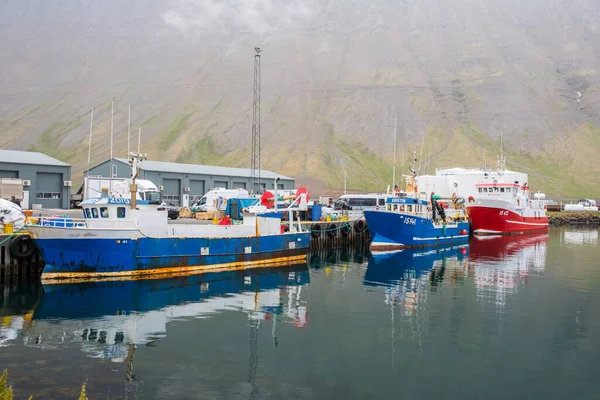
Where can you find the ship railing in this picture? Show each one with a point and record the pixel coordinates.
(537, 204)
(61, 222)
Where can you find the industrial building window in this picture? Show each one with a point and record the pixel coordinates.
(170, 197)
(104, 212)
(47, 195)
(121, 212)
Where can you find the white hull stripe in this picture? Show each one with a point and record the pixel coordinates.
(445, 237)
(528, 223)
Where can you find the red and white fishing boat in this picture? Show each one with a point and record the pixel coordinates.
(504, 207)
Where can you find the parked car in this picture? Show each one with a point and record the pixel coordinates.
(172, 211)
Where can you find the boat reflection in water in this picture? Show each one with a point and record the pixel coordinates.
(579, 238)
(503, 263)
(396, 267)
(106, 318)
(407, 273)
(407, 277)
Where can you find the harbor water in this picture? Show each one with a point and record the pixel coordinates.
(504, 317)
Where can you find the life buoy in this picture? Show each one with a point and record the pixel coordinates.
(471, 199)
(359, 226)
(346, 229)
(315, 230)
(331, 230)
(22, 247)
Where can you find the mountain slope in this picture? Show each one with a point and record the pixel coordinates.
(334, 74)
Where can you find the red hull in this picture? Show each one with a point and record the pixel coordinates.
(498, 221)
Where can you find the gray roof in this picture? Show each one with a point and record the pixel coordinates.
(161, 166)
(29, 157)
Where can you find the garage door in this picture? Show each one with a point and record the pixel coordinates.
(171, 191)
(196, 190)
(239, 185)
(48, 190)
(221, 184)
(8, 174)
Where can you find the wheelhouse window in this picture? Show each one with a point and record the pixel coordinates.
(104, 212)
(121, 212)
(86, 213)
(381, 202)
(480, 190)
(95, 212)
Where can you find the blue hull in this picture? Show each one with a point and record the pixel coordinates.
(96, 258)
(391, 231)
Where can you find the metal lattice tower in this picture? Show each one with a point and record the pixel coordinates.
(255, 163)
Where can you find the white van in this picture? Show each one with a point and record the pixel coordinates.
(354, 204)
(208, 202)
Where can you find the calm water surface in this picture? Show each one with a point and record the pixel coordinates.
(515, 317)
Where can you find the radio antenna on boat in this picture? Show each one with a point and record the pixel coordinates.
(484, 166)
(90, 141)
(129, 131)
(403, 152)
(501, 158)
(395, 138)
(421, 156)
(112, 111)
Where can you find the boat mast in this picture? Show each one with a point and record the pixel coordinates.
(129, 131)
(112, 104)
(395, 138)
(421, 156)
(90, 142)
(501, 158)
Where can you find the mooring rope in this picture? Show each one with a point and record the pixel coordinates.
(13, 234)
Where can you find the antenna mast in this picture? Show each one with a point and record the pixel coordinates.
(395, 138)
(501, 158)
(112, 110)
(129, 131)
(90, 141)
(255, 163)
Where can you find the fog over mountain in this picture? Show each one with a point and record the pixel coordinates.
(458, 73)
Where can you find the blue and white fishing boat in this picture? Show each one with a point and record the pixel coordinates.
(124, 238)
(410, 219)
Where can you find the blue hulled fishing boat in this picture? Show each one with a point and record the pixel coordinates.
(411, 219)
(119, 238)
